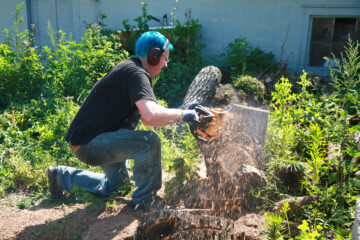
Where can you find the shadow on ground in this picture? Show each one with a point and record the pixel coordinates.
(82, 221)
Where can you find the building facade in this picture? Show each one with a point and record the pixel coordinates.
(298, 32)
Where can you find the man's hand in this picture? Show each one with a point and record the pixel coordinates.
(190, 116)
(193, 105)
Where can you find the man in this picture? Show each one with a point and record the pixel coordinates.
(102, 132)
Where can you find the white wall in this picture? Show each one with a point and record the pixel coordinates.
(280, 26)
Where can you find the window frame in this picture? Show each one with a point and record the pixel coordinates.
(323, 11)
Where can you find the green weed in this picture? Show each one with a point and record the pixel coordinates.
(301, 127)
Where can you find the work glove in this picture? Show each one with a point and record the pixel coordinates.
(193, 105)
(190, 116)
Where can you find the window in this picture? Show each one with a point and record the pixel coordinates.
(329, 35)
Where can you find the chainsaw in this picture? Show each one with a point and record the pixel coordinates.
(210, 124)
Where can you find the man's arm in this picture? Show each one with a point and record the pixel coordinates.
(155, 115)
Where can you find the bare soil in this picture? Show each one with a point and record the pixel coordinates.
(56, 220)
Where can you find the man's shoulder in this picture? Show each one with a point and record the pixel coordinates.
(130, 66)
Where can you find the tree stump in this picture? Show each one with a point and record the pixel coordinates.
(234, 160)
(184, 224)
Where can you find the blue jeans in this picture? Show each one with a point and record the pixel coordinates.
(110, 151)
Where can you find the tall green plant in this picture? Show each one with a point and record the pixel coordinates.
(346, 78)
(21, 72)
(240, 58)
(318, 120)
(282, 130)
(75, 67)
(316, 147)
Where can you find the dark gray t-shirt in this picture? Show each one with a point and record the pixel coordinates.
(111, 102)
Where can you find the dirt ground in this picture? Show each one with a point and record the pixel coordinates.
(49, 220)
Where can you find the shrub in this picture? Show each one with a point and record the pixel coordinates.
(21, 72)
(250, 86)
(75, 67)
(32, 138)
(240, 58)
(300, 129)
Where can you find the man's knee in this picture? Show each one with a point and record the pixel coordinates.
(154, 139)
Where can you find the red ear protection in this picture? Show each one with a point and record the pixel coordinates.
(153, 57)
(154, 54)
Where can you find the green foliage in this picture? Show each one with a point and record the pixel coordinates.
(75, 67)
(316, 150)
(240, 58)
(274, 221)
(282, 131)
(306, 234)
(275, 224)
(300, 129)
(32, 138)
(250, 86)
(32, 133)
(21, 72)
(346, 78)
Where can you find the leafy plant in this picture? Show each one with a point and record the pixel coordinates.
(275, 222)
(307, 234)
(250, 86)
(240, 58)
(21, 72)
(316, 150)
(301, 127)
(75, 67)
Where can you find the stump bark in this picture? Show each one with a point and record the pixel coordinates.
(203, 88)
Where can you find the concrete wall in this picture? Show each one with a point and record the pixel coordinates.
(280, 26)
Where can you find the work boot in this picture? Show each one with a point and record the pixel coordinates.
(55, 190)
(153, 203)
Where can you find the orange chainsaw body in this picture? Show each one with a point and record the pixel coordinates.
(211, 123)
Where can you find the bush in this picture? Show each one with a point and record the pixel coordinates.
(21, 72)
(32, 138)
(250, 86)
(74, 68)
(301, 127)
(240, 58)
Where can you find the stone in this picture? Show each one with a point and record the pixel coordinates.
(294, 203)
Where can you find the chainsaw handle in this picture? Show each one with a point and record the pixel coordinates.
(203, 112)
(190, 116)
